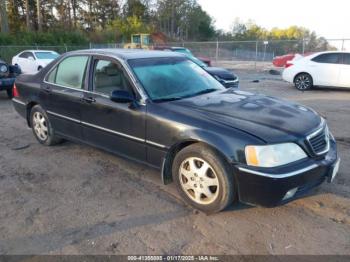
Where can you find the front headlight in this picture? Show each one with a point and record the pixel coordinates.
(3, 68)
(273, 155)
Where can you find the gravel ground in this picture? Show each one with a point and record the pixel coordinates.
(74, 199)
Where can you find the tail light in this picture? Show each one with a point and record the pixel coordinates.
(15, 91)
(288, 64)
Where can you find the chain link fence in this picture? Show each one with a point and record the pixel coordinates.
(7, 52)
(256, 54)
(246, 54)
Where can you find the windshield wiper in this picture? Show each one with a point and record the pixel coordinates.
(166, 99)
(205, 91)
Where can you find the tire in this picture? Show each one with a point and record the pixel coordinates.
(303, 82)
(211, 189)
(9, 93)
(42, 128)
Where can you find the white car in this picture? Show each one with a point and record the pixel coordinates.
(320, 69)
(32, 61)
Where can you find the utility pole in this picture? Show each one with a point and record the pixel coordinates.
(40, 24)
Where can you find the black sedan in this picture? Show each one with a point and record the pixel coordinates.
(227, 78)
(224, 76)
(217, 145)
(8, 74)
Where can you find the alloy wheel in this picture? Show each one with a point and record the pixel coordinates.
(303, 82)
(40, 126)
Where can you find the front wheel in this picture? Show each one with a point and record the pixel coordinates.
(42, 128)
(303, 82)
(203, 178)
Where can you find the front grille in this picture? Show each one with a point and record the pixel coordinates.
(319, 140)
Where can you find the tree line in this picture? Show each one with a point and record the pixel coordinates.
(78, 22)
(106, 20)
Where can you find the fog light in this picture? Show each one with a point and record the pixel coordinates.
(290, 193)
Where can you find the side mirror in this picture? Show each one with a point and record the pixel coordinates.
(31, 58)
(121, 96)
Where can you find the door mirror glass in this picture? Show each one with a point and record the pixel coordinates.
(121, 96)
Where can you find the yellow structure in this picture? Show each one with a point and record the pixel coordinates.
(139, 41)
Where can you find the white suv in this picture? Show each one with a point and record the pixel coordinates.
(319, 69)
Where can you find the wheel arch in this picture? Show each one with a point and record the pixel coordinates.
(303, 72)
(29, 108)
(168, 160)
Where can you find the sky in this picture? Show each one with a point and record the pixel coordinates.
(330, 18)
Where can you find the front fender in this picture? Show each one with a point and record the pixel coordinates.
(230, 147)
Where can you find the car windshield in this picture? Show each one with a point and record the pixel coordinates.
(46, 55)
(183, 51)
(172, 78)
(197, 61)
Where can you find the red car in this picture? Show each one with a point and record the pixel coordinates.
(281, 61)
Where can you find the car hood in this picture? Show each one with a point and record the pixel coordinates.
(221, 72)
(271, 119)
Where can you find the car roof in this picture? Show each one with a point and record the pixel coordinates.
(37, 50)
(330, 52)
(127, 54)
(178, 48)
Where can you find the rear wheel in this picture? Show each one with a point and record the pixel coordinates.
(303, 82)
(42, 128)
(203, 178)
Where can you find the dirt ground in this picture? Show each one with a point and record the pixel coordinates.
(74, 199)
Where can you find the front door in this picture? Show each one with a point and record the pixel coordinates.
(61, 95)
(116, 127)
(325, 68)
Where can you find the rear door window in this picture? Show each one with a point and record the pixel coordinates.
(26, 55)
(70, 72)
(331, 58)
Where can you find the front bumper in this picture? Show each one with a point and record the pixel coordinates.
(268, 187)
(6, 83)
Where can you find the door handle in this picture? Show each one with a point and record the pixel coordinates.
(89, 99)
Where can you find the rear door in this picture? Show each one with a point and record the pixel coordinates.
(116, 127)
(22, 61)
(325, 69)
(62, 92)
(31, 63)
(344, 77)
